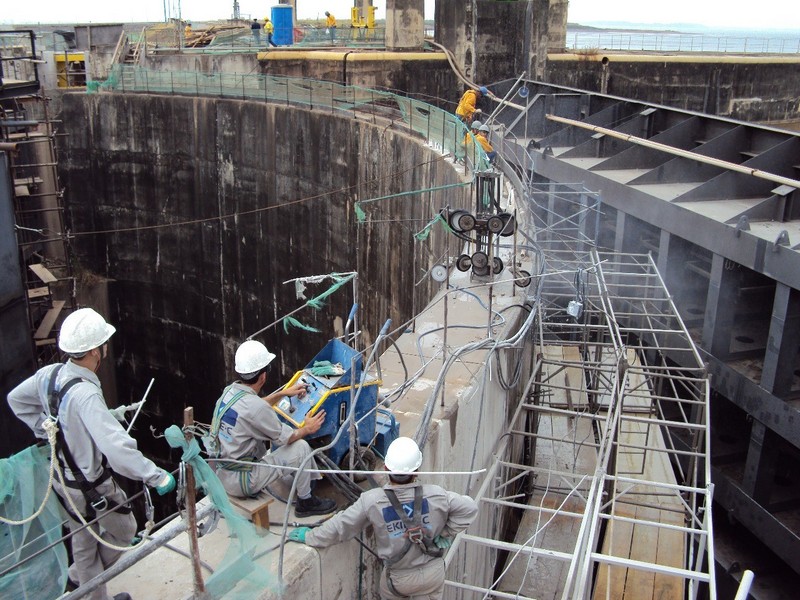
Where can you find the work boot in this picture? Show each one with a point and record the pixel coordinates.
(314, 506)
(122, 596)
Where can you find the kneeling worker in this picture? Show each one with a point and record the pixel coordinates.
(246, 422)
(413, 524)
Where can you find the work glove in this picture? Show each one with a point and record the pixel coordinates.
(119, 412)
(299, 534)
(167, 485)
(442, 542)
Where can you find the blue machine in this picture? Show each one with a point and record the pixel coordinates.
(377, 428)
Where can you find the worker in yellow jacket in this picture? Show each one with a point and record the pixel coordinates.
(330, 25)
(269, 28)
(480, 133)
(468, 105)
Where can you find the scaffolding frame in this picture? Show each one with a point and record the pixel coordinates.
(647, 420)
(29, 135)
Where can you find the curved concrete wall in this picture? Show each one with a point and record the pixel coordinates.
(256, 194)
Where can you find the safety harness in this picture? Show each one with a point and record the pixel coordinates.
(211, 442)
(415, 534)
(94, 501)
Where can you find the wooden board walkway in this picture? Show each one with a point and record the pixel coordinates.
(566, 444)
(638, 541)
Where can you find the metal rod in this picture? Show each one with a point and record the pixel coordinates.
(136, 414)
(717, 162)
(132, 557)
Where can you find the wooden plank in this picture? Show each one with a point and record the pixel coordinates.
(21, 191)
(43, 273)
(38, 292)
(644, 542)
(644, 547)
(50, 317)
(670, 552)
(46, 342)
(27, 181)
(610, 583)
(254, 509)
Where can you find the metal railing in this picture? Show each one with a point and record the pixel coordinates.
(442, 130)
(682, 42)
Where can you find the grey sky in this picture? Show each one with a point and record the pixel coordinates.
(778, 14)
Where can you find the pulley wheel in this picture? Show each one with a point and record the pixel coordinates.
(480, 260)
(523, 279)
(509, 224)
(495, 224)
(480, 271)
(497, 265)
(464, 263)
(466, 222)
(452, 220)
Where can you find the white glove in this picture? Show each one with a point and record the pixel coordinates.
(119, 412)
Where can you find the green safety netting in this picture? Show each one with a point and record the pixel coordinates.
(237, 577)
(23, 485)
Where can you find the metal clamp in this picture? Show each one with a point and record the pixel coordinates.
(100, 505)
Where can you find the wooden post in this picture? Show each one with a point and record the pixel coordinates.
(191, 512)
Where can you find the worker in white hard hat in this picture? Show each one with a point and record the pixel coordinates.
(413, 524)
(90, 444)
(482, 135)
(245, 423)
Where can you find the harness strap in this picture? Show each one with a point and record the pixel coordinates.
(219, 412)
(94, 501)
(415, 532)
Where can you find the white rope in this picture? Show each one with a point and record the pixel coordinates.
(50, 428)
(82, 520)
(337, 471)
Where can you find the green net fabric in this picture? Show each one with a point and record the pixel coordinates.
(237, 577)
(23, 485)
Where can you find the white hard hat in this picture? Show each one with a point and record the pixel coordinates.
(84, 330)
(403, 456)
(251, 357)
(484, 128)
(476, 125)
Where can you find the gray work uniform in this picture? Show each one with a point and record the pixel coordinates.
(244, 431)
(415, 574)
(91, 433)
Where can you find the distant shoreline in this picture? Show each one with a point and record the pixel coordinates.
(579, 27)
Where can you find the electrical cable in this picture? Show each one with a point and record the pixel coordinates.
(237, 214)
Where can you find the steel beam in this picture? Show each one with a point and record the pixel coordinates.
(720, 311)
(784, 336)
(774, 534)
(759, 469)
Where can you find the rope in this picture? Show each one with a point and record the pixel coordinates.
(361, 215)
(237, 214)
(50, 428)
(148, 526)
